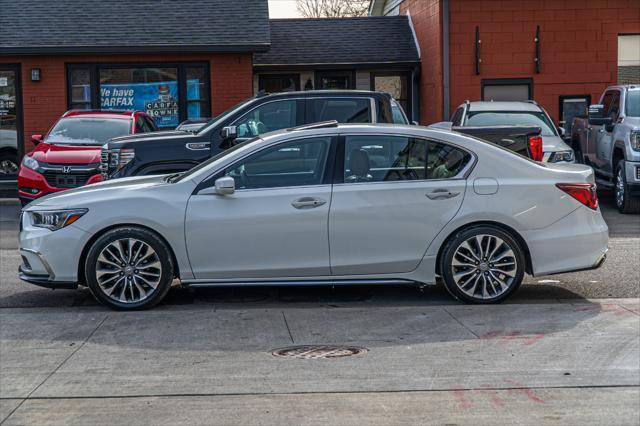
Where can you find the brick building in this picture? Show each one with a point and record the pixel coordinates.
(56, 56)
(487, 49)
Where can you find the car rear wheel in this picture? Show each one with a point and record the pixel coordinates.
(482, 264)
(624, 201)
(129, 268)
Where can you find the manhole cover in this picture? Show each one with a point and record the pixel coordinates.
(318, 351)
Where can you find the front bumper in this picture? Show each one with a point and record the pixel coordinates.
(50, 258)
(579, 241)
(33, 184)
(632, 172)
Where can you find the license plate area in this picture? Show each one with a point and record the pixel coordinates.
(66, 181)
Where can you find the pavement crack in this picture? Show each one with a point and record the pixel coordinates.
(460, 322)
(288, 329)
(55, 369)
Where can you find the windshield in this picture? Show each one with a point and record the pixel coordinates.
(213, 159)
(633, 103)
(506, 118)
(214, 121)
(87, 131)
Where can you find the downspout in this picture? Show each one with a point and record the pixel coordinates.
(445, 60)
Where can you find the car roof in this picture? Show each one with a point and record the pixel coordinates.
(504, 106)
(95, 113)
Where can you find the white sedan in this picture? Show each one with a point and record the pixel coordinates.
(323, 204)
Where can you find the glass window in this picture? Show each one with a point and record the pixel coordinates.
(395, 85)
(333, 80)
(196, 93)
(87, 131)
(506, 118)
(80, 88)
(343, 110)
(390, 158)
(152, 90)
(274, 83)
(633, 103)
(266, 118)
(506, 92)
(614, 107)
(297, 163)
(9, 122)
(457, 117)
(397, 113)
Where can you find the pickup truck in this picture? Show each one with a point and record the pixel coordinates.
(608, 140)
(177, 151)
(524, 140)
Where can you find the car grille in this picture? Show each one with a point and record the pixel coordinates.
(63, 176)
(638, 172)
(104, 164)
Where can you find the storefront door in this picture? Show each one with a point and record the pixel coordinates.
(10, 124)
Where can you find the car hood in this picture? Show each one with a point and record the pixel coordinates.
(85, 195)
(66, 154)
(155, 136)
(554, 144)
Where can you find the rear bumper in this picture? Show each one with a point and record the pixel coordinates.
(579, 241)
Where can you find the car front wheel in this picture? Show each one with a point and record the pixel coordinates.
(624, 201)
(482, 264)
(129, 268)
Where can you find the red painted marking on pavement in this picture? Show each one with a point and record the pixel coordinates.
(506, 338)
(493, 395)
(533, 339)
(522, 390)
(460, 395)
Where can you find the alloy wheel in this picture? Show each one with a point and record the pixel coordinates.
(128, 270)
(484, 266)
(619, 188)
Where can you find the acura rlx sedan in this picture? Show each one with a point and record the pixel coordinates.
(322, 204)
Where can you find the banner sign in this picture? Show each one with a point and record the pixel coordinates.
(159, 100)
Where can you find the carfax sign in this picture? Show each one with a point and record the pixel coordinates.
(159, 100)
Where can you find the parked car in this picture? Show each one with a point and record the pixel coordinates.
(68, 155)
(323, 204)
(170, 152)
(489, 113)
(8, 152)
(609, 141)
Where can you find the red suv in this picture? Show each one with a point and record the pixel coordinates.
(68, 156)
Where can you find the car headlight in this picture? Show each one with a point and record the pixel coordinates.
(55, 219)
(30, 163)
(556, 157)
(120, 158)
(634, 139)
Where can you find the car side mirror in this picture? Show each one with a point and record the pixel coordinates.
(36, 139)
(225, 185)
(597, 116)
(229, 133)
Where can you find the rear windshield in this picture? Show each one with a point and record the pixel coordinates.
(505, 118)
(633, 103)
(87, 131)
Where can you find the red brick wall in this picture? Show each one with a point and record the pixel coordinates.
(44, 101)
(578, 46)
(427, 21)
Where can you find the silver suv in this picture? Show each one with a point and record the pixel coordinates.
(489, 113)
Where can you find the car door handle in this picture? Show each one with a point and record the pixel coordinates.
(308, 203)
(442, 194)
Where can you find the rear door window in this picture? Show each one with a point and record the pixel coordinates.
(390, 158)
(343, 110)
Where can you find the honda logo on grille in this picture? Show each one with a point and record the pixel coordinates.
(66, 169)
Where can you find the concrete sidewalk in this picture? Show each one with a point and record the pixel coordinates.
(571, 363)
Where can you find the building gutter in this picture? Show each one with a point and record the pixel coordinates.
(445, 60)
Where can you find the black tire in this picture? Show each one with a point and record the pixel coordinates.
(162, 253)
(488, 235)
(624, 201)
(8, 163)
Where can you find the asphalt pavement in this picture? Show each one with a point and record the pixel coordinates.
(564, 350)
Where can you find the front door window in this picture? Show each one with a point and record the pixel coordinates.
(267, 118)
(9, 123)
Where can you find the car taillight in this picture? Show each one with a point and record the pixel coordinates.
(535, 146)
(583, 192)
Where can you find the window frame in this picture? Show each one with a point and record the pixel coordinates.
(318, 75)
(506, 82)
(181, 68)
(340, 166)
(403, 74)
